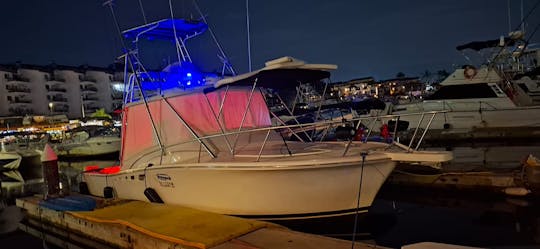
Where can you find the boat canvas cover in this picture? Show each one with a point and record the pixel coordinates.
(139, 136)
(479, 45)
(283, 78)
(281, 73)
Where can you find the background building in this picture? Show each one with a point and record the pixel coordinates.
(55, 90)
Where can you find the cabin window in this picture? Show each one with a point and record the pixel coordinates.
(469, 91)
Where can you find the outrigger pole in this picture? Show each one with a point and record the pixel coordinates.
(129, 61)
(224, 57)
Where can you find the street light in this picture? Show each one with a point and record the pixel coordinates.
(51, 108)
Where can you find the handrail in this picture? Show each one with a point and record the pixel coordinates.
(329, 123)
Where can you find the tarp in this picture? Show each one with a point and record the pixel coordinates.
(198, 114)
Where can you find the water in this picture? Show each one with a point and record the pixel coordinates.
(399, 216)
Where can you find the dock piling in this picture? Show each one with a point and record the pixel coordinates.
(49, 163)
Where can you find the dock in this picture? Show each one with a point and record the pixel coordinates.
(137, 224)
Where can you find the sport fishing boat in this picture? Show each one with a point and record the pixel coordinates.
(208, 143)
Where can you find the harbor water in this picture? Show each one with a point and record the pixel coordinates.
(401, 214)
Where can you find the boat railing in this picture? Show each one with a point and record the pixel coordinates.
(482, 105)
(370, 122)
(454, 105)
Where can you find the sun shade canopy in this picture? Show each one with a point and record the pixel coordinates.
(165, 29)
(284, 72)
(479, 45)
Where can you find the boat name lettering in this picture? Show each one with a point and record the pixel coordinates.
(163, 177)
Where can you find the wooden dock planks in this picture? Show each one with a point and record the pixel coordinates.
(76, 231)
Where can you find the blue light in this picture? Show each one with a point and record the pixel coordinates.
(182, 76)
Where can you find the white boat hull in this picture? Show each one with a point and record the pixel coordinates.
(469, 120)
(269, 192)
(91, 147)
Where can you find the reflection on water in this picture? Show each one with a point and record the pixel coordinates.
(456, 217)
(400, 215)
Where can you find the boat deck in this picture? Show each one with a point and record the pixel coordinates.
(276, 151)
(135, 224)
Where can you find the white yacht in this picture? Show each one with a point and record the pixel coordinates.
(501, 97)
(89, 140)
(210, 145)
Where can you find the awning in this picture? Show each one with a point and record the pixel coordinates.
(284, 72)
(479, 45)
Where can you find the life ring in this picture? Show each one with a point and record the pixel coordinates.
(469, 72)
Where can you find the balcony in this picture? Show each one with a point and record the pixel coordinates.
(20, 110)
(17, 89)
(19, 99)
(88, 88)
(17, 77)
(59, 108)
(84, 78)
(57, 98)
(90, 97)
(56, 88)
(54, 78)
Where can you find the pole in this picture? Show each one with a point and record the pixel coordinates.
(49, 164)
(248, 38)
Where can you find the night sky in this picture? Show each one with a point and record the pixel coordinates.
(364, 38)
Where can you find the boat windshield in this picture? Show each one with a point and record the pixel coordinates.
(85, 132)
(468, 91)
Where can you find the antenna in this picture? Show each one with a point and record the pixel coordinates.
(509, 18)
(226, 63)
(523, 20)
(142, 11)
(248, 39)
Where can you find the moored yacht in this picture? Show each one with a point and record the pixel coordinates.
(89, 140)
(210, 144)
(499, 97)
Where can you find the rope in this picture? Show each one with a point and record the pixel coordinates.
(363, 154)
